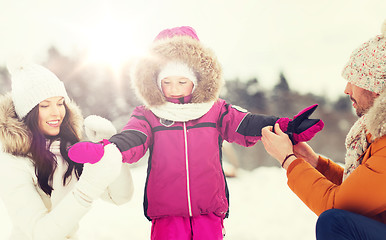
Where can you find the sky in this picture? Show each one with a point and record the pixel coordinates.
(309, 41)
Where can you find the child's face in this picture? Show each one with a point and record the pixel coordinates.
(176, 86)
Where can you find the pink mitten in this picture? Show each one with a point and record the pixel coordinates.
(301, 128)
(87, 152)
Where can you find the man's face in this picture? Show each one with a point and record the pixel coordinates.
(362, 99)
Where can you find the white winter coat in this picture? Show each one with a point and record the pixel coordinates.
(34, 214)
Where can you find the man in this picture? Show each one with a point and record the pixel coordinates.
(351, 201)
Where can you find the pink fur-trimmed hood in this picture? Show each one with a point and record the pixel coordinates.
(190, 51)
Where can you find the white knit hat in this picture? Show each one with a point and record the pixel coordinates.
(367, 65)
(176, 69)
(31, 84)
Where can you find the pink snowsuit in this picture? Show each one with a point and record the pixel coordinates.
(186, 194)
(186, 191)
(185, 176)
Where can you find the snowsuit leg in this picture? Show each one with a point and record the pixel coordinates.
(207, 227)
(203, 227)
(171, 228)
(339, 224)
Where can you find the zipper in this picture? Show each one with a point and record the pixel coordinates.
(187, 170)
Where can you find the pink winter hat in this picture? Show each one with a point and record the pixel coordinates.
(177, 31)
(366, 67)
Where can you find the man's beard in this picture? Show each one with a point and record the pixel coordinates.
(363, 108)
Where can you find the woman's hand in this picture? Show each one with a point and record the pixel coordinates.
(277, 144)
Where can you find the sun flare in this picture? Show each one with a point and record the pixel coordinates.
(111, 42)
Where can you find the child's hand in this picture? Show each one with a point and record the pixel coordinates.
(87, 152)
(301, 128)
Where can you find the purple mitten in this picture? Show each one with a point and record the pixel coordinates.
(87, 152)
(301, 128)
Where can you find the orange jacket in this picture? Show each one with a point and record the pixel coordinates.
(363, 192)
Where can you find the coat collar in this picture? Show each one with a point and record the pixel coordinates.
(15, 137)
(376, 117)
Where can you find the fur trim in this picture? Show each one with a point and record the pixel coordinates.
(201, 60)
(15, 136)
(376, 122)
(76, 118)
(98, 128)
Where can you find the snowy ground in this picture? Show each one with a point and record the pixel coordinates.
(261, 207)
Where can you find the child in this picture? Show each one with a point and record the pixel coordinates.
(183, 123)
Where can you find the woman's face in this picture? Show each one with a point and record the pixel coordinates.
(51, 115)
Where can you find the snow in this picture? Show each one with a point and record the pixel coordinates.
(261, 207)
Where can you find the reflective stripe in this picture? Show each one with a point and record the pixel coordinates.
(187, 170)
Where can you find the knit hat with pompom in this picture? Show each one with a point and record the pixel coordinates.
(31, 84)
(367, 65)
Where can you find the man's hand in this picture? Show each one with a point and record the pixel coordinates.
(303, 150)
(277, 144)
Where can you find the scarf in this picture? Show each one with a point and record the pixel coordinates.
(59, 191)
(181, 112)
(356, 145)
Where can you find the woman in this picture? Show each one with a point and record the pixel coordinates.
(45, 193)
